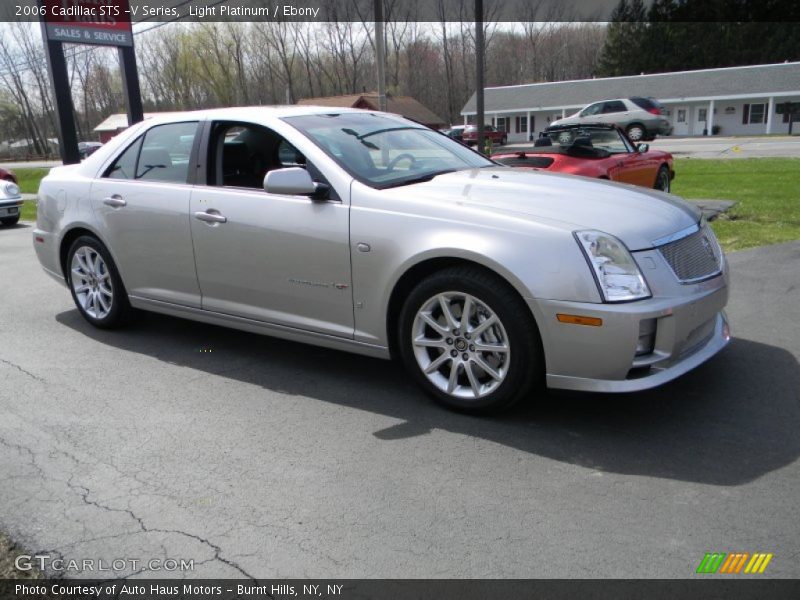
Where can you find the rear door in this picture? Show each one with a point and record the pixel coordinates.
(142, 204)
(614, 111)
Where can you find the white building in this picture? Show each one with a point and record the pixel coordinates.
(731, 101)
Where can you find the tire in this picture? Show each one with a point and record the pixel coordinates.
(663, 180)
(95, 284)
(504, 141)
(10, 221)
(636, 132)
(460, 382)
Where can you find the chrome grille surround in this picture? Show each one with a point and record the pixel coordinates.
(694, 257)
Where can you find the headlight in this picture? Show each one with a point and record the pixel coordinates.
(11, 189)
(617, 274)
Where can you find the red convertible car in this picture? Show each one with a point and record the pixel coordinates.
(7, 175)
(596, 150)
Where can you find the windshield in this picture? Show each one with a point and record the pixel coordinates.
(383, 151)
(600, 139)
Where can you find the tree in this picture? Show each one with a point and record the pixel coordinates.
(678, 35)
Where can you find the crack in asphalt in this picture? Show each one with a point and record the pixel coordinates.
(21, 370)
(84, 493)
(24, 450)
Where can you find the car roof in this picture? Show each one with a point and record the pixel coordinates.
(237, 112)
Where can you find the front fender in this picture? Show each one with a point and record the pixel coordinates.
(539, 262)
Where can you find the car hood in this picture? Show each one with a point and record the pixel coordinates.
(635, 215)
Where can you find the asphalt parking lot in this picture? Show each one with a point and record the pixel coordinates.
(258, 457)
(729, 147)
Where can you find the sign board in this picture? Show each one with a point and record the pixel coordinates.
(104, 22)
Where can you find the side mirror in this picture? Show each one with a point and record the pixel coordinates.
(642, 148)
(292, 181)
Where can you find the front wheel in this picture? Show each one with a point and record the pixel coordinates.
(96, 285)
(470, 341)
(663, 180)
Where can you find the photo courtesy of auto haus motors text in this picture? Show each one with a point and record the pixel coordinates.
(129, 589)
(377, 299)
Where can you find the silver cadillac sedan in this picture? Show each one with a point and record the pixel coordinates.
(367, 232)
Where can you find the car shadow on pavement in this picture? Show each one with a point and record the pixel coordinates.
(728, 422)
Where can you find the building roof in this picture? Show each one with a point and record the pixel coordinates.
(750, 81)
(402, 105)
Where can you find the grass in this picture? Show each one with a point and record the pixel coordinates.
(8, 554)
(767, 192)
(28, 180)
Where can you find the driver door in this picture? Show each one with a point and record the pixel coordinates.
(278, 259)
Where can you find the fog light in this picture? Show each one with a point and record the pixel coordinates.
(647, 337)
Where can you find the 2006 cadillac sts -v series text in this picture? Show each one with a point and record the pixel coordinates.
(367, 232)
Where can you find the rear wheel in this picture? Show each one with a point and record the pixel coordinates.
(470, 341)
(636, 132)
(504, 141)
(96, 285)
(663, 180)
(8, 221)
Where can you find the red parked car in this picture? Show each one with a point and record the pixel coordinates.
(8, 175)
(470, 135)
(596, 150)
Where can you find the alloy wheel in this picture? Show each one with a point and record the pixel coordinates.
(460, 345)
(635, 133)
(91, 282)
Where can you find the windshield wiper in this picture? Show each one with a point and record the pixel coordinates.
(360, 138)
(418, 179)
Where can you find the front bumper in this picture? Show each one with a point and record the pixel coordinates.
(10, 208)
(689, 331)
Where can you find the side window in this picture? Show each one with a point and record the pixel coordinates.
(241, 154)
(613, 107)
(162, 154)
(592, 109)
(165, 153)
(125, 166)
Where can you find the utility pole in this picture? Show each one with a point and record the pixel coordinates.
(479, 72)
(380, 55)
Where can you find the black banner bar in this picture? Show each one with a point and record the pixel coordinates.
(702, 588)
(772, 11)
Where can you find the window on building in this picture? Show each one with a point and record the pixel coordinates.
(502, 123)
(681, 115)
(754, 114)
(521, 125)
(702, 114)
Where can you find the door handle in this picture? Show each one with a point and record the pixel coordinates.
(115, 201)
(210, 217)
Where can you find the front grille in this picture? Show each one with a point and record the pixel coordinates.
(694, 257)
